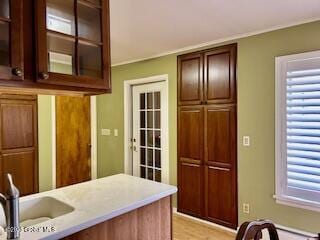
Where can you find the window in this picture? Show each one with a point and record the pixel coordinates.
(298, 130)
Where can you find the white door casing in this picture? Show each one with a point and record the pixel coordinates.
(132, 90)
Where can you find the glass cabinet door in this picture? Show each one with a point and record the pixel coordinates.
(11, 64)
(73, 43)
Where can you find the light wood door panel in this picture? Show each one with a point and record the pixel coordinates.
(73, 140)
(220, 75)
(190, 79)
(150, 222)
(190, 124)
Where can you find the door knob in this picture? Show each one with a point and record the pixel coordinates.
(17, 72)
(44, 75)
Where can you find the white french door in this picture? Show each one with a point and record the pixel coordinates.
(150, 132)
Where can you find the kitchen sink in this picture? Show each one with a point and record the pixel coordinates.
(39, 210)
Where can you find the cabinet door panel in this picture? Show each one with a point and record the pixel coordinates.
(190, 134)
(220, 135)
(220, 75)
(17, 124)
(220, 196)
(11, 40)
(22, 166)
(190, 198)
(190, 79)
(73, 44)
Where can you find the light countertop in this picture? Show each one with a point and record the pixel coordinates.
(97, 201)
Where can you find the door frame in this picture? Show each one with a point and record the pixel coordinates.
(127, 87)
(93, 123)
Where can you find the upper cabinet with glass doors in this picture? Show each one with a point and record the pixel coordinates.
(72, 43)
(11, 40)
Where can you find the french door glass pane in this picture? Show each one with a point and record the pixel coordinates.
(4, 44)
(157, 122)
(149, 119)
(150, 173)
(143, 138)
(61, 55)
(150, 157)
(60, 16)
(142, 101)
(157, 100)
(142, 119)
(157, 158)
(4, 9)
(158, 175)
(150, 100)
(142, 156)
(89, 60)
(142, 172)
(150, 135)
(89, 22)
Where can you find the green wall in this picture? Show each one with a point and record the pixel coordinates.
(255, 118)
(45, 142)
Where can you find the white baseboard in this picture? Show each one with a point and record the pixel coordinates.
(285, 233)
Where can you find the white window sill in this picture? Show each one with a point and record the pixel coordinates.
(297, 202)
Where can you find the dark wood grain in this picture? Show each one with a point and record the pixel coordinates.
(207, 135)
(220, 75)
(190, 79)
(16, 42)
(190, 125)
(17, 124)
(190, 158)
(19, 142)
(73, 136)
(21, 165)
(74, 80)
(151, 222)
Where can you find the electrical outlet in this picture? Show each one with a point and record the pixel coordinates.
(115, 132)
(246, 141)
(105, 132)
(246, 208)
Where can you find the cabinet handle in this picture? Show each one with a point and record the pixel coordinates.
(44, 75)
(17, 72)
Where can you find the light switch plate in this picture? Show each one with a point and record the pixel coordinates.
(105, 132)
(246, 208)
(246, 141)
(115, 132)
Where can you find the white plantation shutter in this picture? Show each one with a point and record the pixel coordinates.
(298, 131)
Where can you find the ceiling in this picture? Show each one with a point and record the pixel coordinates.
(147, 28)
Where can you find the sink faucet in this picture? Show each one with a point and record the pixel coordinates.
(10, 203)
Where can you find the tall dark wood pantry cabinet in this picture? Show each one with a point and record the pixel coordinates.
(207, 135)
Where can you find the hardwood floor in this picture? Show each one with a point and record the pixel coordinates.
(188, 229)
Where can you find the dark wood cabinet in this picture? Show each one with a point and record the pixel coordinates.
(208, 77)
(207, 135)
(55, 47)
(11, 40)
(190, 162)
(19, 153)
(73, 43)
(221, 165)
(190, 79)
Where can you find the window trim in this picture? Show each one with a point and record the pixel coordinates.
(281, 195)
